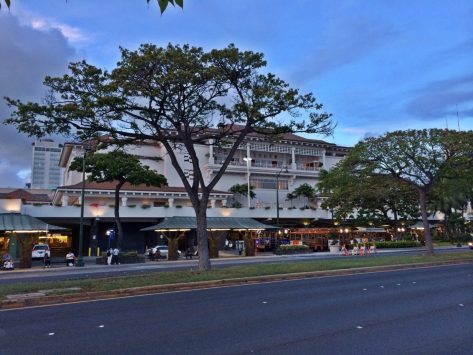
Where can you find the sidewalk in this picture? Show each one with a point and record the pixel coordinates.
(225, 256)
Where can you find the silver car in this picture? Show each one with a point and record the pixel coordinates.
(39, 250)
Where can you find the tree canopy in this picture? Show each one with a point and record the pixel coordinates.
(119, 167)
(420, 158)
(179, 96)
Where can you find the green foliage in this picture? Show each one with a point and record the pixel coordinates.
(163, 4)
(292, 249)
(179, 96)
(242, 189)
(398, 244)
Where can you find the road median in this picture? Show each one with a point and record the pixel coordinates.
(115, 287)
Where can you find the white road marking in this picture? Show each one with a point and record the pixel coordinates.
(101, 326)
(264, 302)
(365, 289)
(381, 286)
(413, 282)
(398, 284)
(359, 327)
(461, 304)
(50, 333)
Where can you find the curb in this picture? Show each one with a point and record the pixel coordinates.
(156, 289)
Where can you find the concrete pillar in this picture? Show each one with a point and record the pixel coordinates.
(171, 202)
(211, 152)
(65, 200)
(212, 203)
(293, 158)
(124, 201)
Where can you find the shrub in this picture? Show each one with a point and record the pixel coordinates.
(398, 244)
(178, 206)
(292, 249)
(145, 206)
(267, 208)
(236, 204)
(252, 207)
(131, 206)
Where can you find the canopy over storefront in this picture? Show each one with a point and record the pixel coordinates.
(420, 225)
(18, 223)
(213, 223)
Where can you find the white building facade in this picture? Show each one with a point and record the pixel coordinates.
(45, 170)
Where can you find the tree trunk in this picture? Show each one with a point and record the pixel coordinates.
(214, 238)
(173, 240)
(425, 221)
(249, 244)
(202, 238)
(117, 215)
(26, 245)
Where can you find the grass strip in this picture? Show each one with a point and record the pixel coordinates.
(234, 272)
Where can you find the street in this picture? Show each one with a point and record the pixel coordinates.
(418, 311)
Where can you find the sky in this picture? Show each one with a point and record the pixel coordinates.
(377, 66)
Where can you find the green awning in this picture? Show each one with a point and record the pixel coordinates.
(19, 223)
(213, 223)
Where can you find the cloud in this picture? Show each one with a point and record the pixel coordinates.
(28, 55)
(346, 41)
(443, 98)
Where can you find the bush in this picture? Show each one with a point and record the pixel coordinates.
(292, 249)
(145, 206)
(236, 204)
(132, 206)
(398, 244)
(267, 208)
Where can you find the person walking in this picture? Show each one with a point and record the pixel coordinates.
(116, 257)
(46, 261)
(109, 256)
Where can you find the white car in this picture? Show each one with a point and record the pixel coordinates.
(39, 250)
(163, 250)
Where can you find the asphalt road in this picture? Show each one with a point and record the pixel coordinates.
(418, 311)
(91, 270)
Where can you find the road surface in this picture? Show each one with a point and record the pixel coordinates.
(417, 311)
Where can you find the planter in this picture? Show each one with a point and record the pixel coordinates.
(334, 248)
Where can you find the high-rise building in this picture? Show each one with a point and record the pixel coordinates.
(45, 172)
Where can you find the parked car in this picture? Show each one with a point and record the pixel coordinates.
(39, 250)
(163, 250)
(470, 244)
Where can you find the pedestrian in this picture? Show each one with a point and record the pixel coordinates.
(46, 261)
(116, 257)
(70, 259)
(189, 253)
(109, 256)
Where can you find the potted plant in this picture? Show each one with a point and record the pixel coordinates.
(333, 243)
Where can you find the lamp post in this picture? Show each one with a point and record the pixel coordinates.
(80, 259)
(284, 168)
(248, 161)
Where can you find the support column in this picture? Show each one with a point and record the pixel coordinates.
(171, 202)
(65, 200)
(293, 158)
(124, 201)
(211, 152)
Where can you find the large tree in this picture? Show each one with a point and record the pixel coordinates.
(419, 158)
(377, 199)
(179, 96)
(120, 168)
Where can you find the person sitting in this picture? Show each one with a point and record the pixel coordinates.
(151, 254)
(70, 259)
(7, 262)
(189, 253)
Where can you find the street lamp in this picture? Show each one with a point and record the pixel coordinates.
(80, 259)
(248, 162)
(283, 169)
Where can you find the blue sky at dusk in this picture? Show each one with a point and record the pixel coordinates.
(376, 65)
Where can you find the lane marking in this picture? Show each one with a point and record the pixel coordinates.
(151, 294)
(101, 326)
(413, 282)
(359, 327)
(365, 289)
(461, 305)
(398, 284)
(50, 333)
(381, 286)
